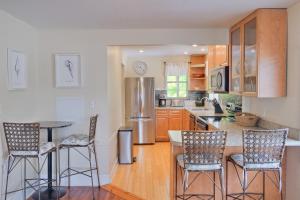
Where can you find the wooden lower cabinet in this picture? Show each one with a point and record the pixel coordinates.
(167, 119)
(162, 125)
(175, 119)
(162, 128)
(185, 120)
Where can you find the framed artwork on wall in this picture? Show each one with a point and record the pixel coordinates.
(68, 70)
(17, 69)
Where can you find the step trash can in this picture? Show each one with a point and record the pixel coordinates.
(125, 146)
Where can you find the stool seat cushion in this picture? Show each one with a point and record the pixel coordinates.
(76, 140)
(44, 148)
(239, 160)
(197, 167)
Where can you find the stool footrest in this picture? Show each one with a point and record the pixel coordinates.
(247, 194)
(188, 196)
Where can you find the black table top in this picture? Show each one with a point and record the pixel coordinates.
(54, 124)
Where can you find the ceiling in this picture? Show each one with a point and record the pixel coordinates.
(163, 50)
(118, 14)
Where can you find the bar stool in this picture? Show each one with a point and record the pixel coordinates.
(202, 153)
(76, 142)
(23, 143)
(262, 152)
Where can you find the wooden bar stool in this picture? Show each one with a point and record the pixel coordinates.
(262, 152)
(23, 143)
(202, 153)
(76, 142)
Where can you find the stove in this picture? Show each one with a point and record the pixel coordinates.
(216, 118)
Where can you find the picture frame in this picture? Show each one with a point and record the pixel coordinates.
(16, 69)
(67, 70)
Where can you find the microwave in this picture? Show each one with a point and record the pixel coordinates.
(219, 79)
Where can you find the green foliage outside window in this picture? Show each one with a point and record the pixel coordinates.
(177, 86)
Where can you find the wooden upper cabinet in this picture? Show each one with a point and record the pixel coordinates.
(258, 47)
(198, 73)
(211, 56)
(235, 60)
(217, 56)
(221, 55)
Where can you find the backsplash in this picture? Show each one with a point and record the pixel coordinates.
(192, 95)
(230, 98)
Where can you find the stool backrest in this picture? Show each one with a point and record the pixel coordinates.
(93, 125)
(22, 136)
(203, 147)
(264, 146)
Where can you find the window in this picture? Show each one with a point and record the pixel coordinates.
(176, 86)
(176, 79)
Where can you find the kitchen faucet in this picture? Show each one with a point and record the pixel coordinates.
(204, 98)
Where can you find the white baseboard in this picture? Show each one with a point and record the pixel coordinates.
(114, 168)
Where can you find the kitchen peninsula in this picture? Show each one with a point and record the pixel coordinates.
(233, 145)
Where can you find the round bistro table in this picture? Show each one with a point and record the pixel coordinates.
(51, 193)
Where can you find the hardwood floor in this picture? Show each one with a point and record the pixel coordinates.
(85, 193)
(106, 192)
(148, 177)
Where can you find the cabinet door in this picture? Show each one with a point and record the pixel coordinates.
(175, 119)
(250, 61)
(162, 128)
(236, 60)
(221, 55)
(185, 120)
(211, 57)
(175, 123)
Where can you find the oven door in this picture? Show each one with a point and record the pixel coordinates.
(201, 125)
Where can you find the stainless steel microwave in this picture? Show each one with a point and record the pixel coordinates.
(219, 79)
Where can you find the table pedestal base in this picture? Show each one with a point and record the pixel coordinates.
(47, 194)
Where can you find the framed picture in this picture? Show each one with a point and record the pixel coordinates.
(17, 69)
(67, 70)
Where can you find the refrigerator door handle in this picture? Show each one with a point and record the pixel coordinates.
(136, 119)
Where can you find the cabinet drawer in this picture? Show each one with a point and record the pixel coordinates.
(162, 112)
(175, 112)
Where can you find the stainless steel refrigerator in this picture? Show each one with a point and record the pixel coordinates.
(139, 109)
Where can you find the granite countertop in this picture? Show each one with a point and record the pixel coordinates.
(201, 111)
(234, 134)
(197, 111)
(169, 107)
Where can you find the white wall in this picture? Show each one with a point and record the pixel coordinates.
(155, 67)
(18, 105)
(286, 110)
(116, 102)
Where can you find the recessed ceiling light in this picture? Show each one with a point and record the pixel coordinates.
(194, 45)
(141, 51)
(202, 49)
(185, 53)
